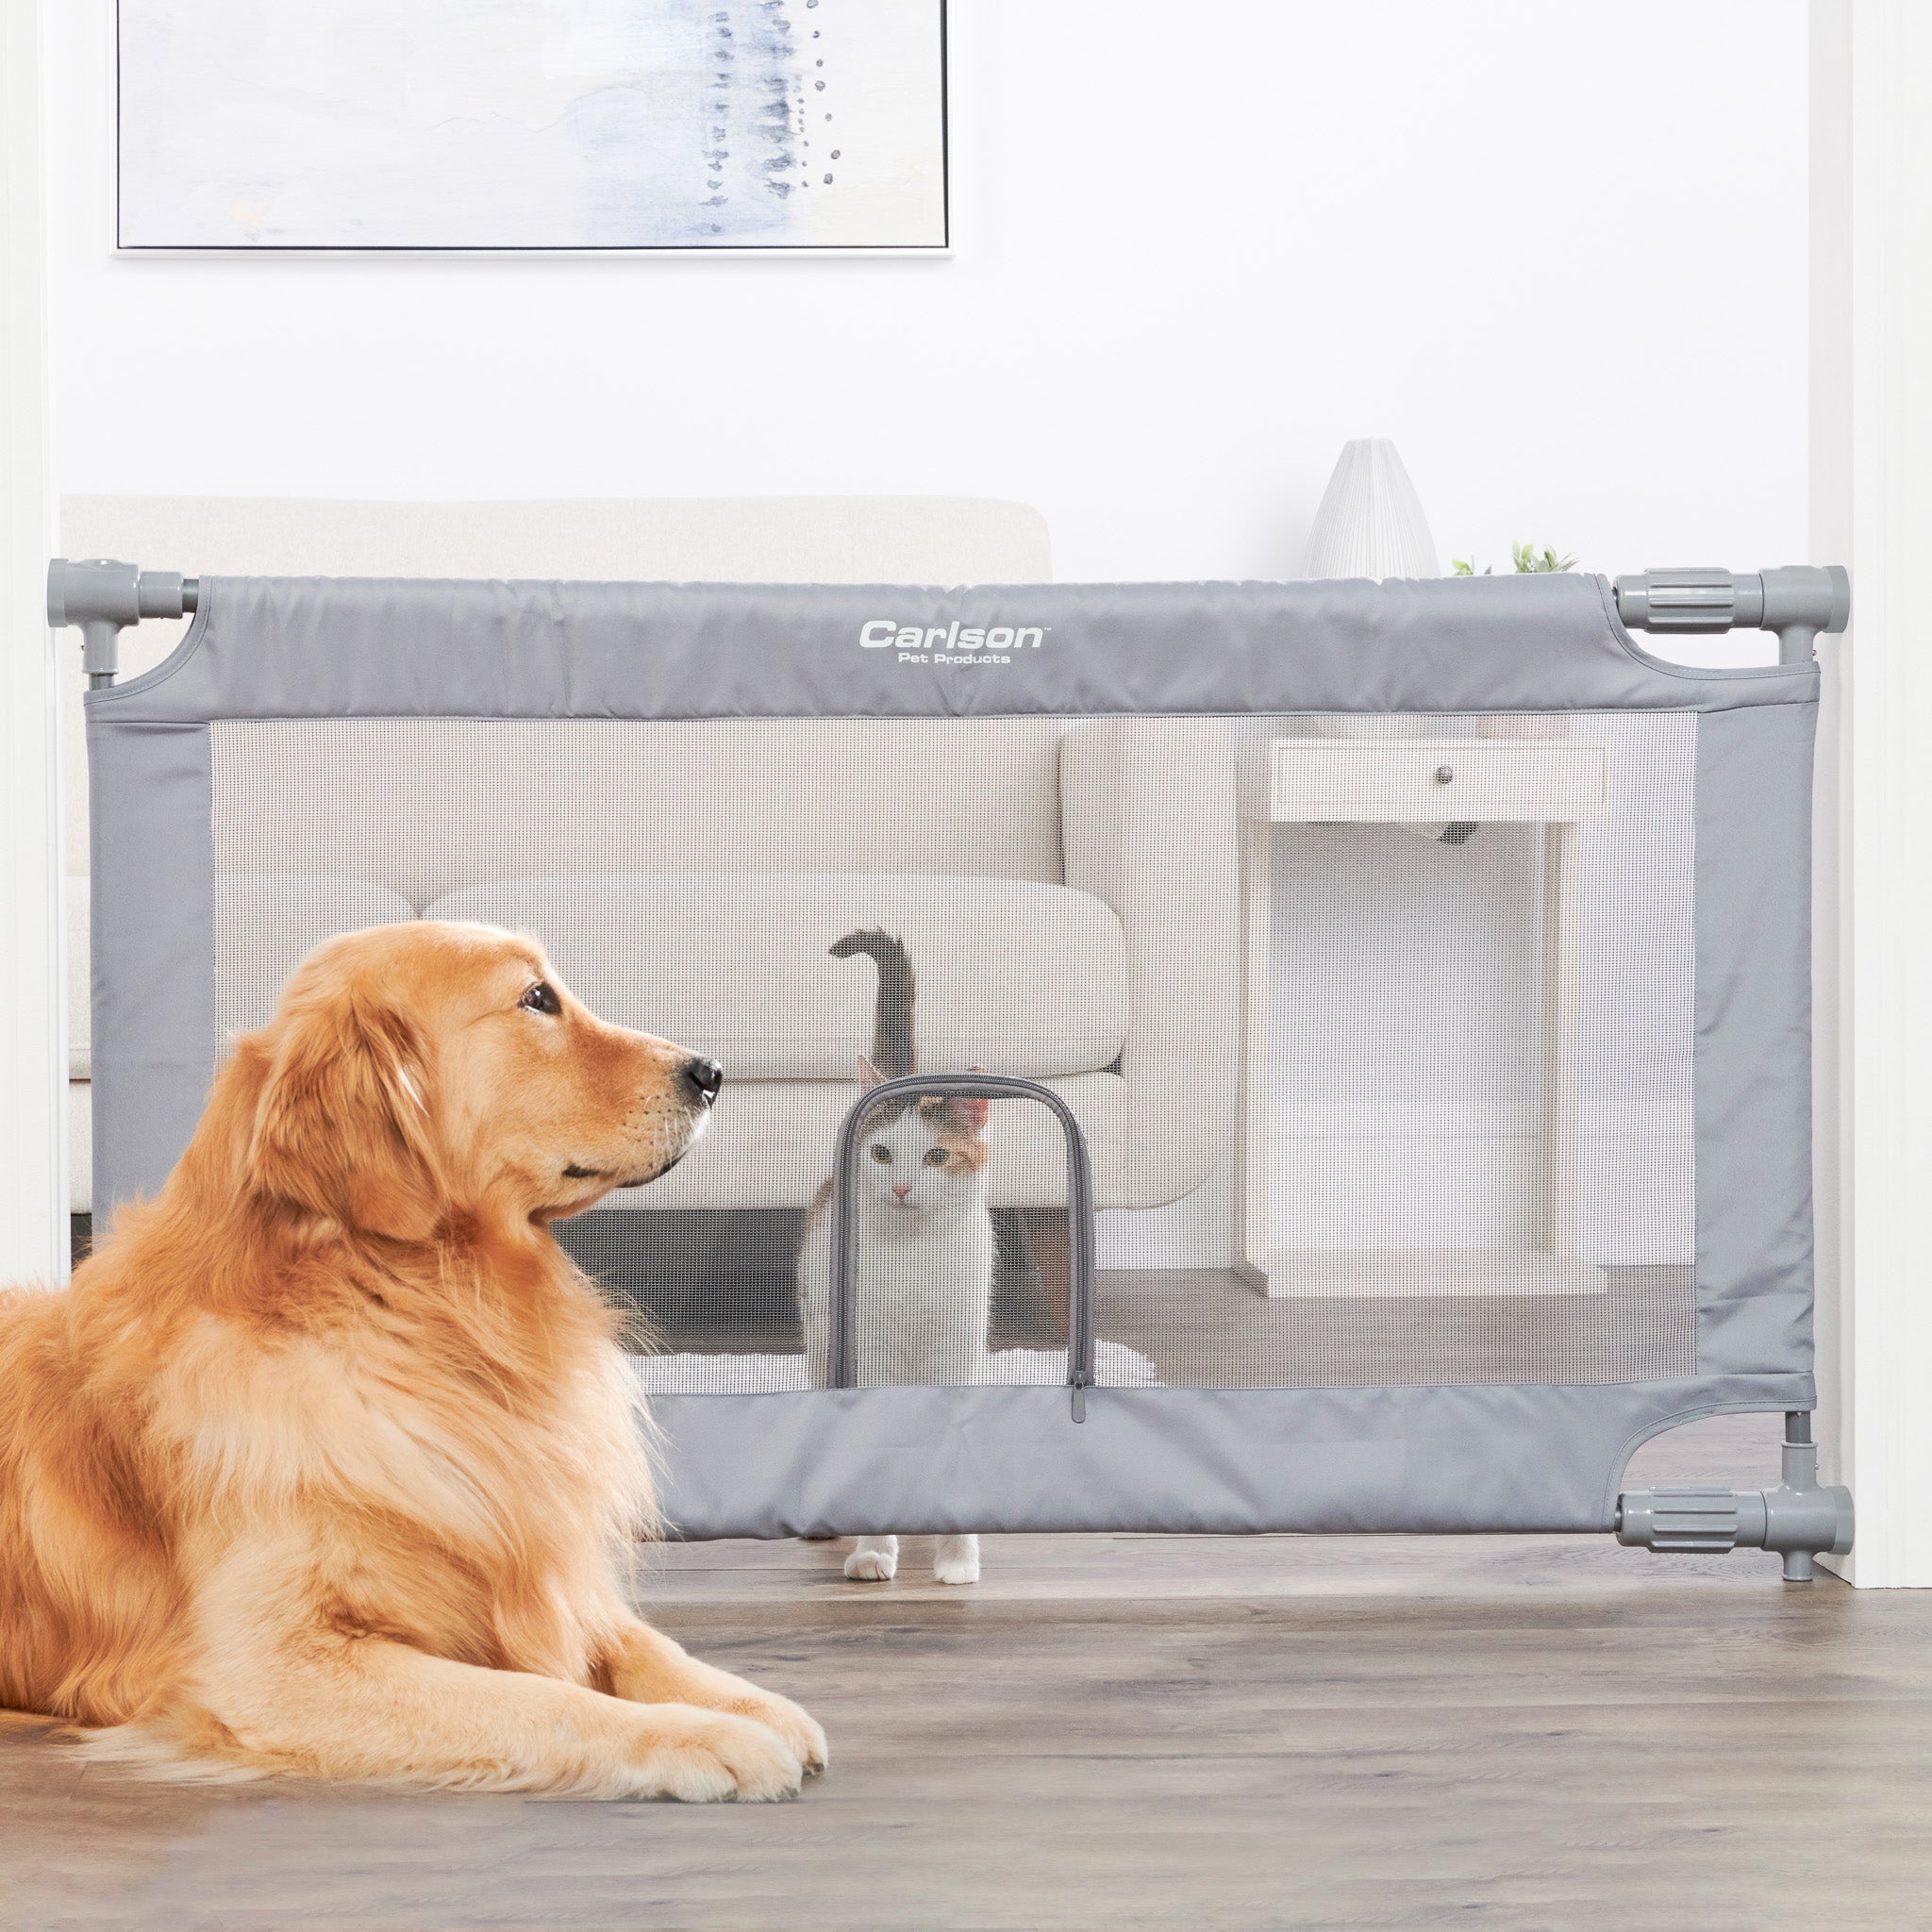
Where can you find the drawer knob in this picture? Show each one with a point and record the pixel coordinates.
(1444, 774)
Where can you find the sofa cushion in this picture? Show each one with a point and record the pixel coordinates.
(267, 923)
(429, 806)
(1017, 976)
(771, 1143)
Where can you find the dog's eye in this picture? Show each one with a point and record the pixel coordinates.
(881, 1153)
(934, 1157)
(541, 998)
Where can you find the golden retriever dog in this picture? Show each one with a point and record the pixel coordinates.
(327, 1462)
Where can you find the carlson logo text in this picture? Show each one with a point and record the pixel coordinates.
(951, 643)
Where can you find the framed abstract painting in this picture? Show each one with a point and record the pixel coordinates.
(546, 125)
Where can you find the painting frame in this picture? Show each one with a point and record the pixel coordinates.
(782, 240)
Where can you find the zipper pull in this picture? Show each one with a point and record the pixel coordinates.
(1080, 1378)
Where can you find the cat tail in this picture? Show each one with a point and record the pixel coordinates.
(894, 1052)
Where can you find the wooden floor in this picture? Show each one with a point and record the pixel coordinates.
(1206, 1329)
(1120, 1731)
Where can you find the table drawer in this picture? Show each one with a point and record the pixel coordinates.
(1418, 782)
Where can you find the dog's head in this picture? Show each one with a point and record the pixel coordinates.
(416, 1071)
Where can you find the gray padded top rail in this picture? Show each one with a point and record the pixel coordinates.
(325, 647)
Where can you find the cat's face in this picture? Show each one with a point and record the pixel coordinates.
(923, 1160)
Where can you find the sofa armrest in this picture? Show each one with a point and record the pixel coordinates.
(1147, 823)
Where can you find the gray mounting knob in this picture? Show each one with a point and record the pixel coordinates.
(1693, 600)
(102, 597)
(1797, 602)
(1690, 1515)
(1799, 1519)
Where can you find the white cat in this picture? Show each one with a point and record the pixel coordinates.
(926, 1248)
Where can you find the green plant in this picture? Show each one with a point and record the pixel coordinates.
(1527, 559)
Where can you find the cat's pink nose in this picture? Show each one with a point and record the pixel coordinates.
(903, 1188)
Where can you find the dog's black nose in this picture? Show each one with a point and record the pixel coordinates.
(705, 1078)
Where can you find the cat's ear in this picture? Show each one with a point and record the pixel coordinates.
(970, 1110)
(869, 1076)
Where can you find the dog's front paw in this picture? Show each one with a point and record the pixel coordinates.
(956, 1559)
(876, 1560)
(704, 1756)
(798, 1728)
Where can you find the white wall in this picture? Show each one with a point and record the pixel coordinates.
(33, 1176)
(1556, 252)
(1872, 1031)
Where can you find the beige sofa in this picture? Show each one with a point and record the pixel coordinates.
(1068, 892)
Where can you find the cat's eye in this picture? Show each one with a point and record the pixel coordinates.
(881, 1153)
(934, 1157)
(541, 998)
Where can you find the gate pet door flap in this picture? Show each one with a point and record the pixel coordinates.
(906, 1262)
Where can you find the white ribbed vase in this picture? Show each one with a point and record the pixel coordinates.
(1371, 525)
(1371, 522)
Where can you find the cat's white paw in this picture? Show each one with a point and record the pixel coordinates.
(956, 1559)
(876, 1560)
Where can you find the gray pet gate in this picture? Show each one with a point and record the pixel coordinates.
(1363, 1031)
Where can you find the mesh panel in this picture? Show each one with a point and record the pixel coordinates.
(1378, 1032)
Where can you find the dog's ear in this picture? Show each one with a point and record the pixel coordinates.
(343, 1127)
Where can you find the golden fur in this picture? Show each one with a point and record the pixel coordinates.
(325, 1462)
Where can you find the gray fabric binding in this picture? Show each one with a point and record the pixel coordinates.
(1480, 1457)
(1494, 1457)
(1753, 1040)
(152, 950)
